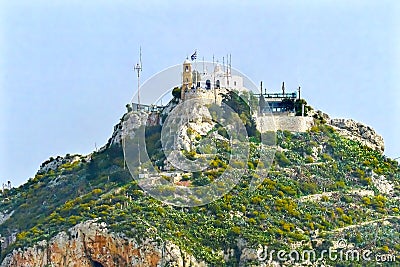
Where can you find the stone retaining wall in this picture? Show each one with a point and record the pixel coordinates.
(284, 122)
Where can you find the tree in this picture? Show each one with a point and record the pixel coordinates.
(200, 180)
(239, 105)
(128, 107)
(297, 107)
(176, 92)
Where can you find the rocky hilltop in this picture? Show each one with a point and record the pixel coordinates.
(360, 132)
(348, 128)
(327, 183)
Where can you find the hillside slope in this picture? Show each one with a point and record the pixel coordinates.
(322, 188)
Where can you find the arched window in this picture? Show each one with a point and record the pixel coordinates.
(187, 69)
(217, 84)
(208, 84)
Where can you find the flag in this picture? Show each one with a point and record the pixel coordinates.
(194, 56)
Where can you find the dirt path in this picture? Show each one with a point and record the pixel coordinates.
(316, 197)
(362, 224)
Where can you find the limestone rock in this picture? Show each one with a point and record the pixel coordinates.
(90, 244)
(4, 216)
(128, 124)
(359, 132)
(382, 184)
(55, 163)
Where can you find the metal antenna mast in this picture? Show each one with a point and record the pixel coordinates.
(229, 72)
(230, 65)
(138, 68)
(204, 72)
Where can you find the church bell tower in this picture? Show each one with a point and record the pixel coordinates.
(187, 80)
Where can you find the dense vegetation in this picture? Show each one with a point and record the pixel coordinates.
(285, 210)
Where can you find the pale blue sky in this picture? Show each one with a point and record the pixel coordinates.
(66, 67)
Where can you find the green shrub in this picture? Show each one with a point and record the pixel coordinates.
(281, 159)
(326, 157)
(309, 159)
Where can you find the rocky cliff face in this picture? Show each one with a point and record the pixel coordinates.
(358, 132)
(90, 244)
(199, 121)
(202, 123)
(131, 120)
(54, 163)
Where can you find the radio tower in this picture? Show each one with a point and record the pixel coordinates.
(138, 68)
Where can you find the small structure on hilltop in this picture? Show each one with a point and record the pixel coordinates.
(288, 110)
(209, 85)
(277, 102)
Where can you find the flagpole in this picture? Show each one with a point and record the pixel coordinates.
(203, 67)
(223, 70)
(227, 69)
(195, 67)
(230, 66)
